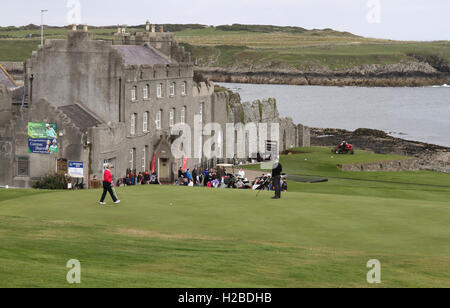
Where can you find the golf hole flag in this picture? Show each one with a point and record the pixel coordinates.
(42, 138)
(76, 169)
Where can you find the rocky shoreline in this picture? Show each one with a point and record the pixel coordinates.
(430, 157)
(414, 74)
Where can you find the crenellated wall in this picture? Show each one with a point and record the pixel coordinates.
(162, 41)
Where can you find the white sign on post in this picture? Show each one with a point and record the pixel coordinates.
(76, 169)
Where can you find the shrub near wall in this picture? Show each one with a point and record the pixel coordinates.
(54, 181)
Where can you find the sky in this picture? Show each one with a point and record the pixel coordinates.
(421, 20)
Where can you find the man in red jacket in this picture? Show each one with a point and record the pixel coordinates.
(107, 186)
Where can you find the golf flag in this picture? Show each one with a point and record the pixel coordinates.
(185, 163)
(153, 167)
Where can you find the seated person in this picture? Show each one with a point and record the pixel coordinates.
(284, 185)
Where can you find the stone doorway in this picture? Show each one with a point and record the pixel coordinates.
(164, 170)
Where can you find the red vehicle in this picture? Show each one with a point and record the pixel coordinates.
(344, 149)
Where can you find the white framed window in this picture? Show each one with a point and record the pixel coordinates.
(144, 158)
(145, 92)
(159, 90)
(133, 124)
(172, 117)
(145, 122)
(158, 119)
(201, 112)
(183, 115)
(131, 163)
(172, 89)
(183, 88)
(133, 94)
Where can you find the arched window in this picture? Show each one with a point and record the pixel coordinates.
(183, 115)
(183, 88)
(133, 94)
(145, 92)
(145, 122)
(172, 117)
(158, 119)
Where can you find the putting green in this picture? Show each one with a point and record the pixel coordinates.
(318, 235)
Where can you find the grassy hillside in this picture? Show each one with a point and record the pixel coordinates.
(264, 47)
(319, 235)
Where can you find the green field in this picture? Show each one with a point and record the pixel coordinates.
(259, 47)
(318, 235)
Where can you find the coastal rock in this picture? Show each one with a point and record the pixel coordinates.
(430, 157)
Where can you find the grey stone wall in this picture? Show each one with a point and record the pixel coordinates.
(390, 166)
(14, 142)
(77, 70)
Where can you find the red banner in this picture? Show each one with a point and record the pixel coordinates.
(185, 163)
(153, 167)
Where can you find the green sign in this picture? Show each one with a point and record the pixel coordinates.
(42, 138)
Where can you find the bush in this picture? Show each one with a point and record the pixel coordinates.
(53, 181)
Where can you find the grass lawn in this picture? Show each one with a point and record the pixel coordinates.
(319, 235)
(245, 49)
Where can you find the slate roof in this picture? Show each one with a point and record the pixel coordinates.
(5, 79)
(141, 55)
(18, 95)
(80, 117)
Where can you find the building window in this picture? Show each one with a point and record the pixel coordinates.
(183, 88)
(144, 158)
(145, 92)
(172, 89)
(23, 166)
(158, 119)
(133, 94)
(172, 117)
(132, 163)
(159, 90)
(201, 113)
(133, 124)
(183, 115)
(145, 122)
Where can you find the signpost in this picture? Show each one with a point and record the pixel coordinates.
(76, 169)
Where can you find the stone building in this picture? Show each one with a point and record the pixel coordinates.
(114, 102)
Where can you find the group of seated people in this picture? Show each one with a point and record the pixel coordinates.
(219, 178)
(208, 177)
(196, 177)
(143, 178)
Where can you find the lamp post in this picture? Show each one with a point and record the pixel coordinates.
(42, 26)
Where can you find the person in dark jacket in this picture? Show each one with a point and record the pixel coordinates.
(107, 186)
(276, 179)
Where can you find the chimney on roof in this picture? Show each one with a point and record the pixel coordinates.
(119, 30)
(161, 29)
(153, 28)
(85, 28)
(74, 27)
(147, 26)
